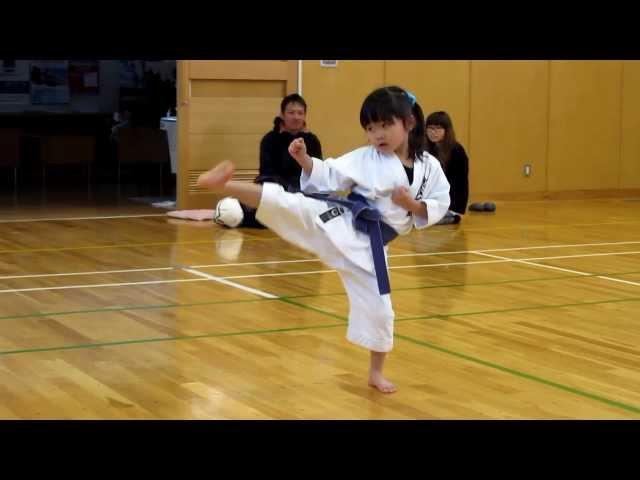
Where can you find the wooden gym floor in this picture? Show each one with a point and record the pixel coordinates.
(531, 312)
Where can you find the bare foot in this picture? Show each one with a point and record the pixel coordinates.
(378, 381)
(216, 178)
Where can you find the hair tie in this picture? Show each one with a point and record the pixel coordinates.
(411, 96)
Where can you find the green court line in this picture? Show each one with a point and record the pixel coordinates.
(324, 312)
(179, 305)
(313, 309)
(190, 337)
(133, 307)
(463, 356)
(518, 373)
(164, 339)
(518, 309)
(187, 337)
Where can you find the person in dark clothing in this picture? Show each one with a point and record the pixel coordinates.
(442, 144)
(276, 164)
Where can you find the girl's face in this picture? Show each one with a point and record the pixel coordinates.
(293, 117)
(435, 133)
(388, 137)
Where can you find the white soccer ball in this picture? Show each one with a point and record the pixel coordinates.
(228, 212)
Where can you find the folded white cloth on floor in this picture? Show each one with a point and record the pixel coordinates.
(192, 214)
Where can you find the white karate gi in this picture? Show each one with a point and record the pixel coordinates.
(337, 243)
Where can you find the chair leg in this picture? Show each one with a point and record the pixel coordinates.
(161, 189)
(118, 180)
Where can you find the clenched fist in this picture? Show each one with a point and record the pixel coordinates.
(401, 196)
(298, 149)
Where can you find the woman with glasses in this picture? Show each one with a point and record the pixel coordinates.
(442, 144)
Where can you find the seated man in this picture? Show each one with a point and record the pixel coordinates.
(276, 164)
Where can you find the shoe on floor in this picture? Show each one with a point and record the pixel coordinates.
(489, 207)
(483, 207)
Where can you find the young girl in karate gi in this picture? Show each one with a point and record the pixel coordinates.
(395, 185)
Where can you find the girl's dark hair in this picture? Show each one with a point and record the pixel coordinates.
(443, 151)
(293, 98)
(385, 103)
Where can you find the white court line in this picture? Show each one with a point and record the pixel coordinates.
(525, 261)
(276, 262)
(429, 254)
(499, 260)
(130, 270)
(517, 248)
(559, 246)
(567, 256)
(133, 270)
(267, 262)
(98, 285)
(453, 264)
(285, 274)
(231, 284)
(629, 282)
(502, 260)
(19, 220)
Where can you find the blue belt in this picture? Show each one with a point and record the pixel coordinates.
(367, 219)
